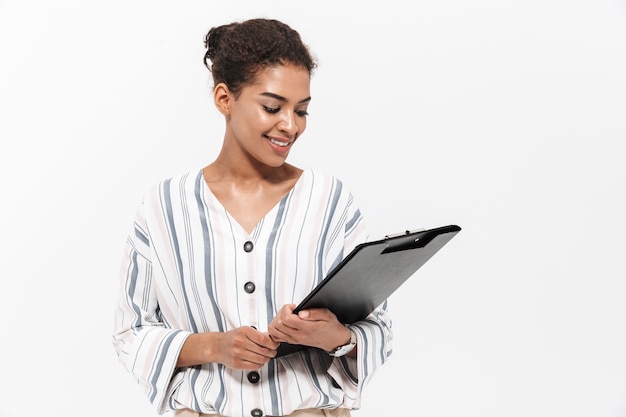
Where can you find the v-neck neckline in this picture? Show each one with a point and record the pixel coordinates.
(234, 220)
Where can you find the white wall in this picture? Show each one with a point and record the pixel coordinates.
(505, 117)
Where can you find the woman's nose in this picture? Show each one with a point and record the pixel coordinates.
(288, 123)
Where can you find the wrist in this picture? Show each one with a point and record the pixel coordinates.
(200, 348)
(346, 346)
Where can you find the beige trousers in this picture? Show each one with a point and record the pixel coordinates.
(310, 412)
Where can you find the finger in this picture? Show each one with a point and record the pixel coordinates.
(251, 363)
(289, 323)
(316, 314)
(260, 354)
(262, 339)
(269, 343)
(279, 335)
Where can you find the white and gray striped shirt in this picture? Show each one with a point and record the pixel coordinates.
(185, 270)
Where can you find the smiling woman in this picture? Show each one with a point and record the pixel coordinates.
(217, 257)
(273, 107)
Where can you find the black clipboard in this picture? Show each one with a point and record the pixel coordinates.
(365, 278)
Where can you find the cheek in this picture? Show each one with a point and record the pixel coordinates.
(301, 125)
(259, 118)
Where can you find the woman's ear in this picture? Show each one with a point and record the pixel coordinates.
(222, 98)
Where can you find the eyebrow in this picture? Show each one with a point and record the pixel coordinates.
(283, 99)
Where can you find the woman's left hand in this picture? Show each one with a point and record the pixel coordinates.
(317, 327)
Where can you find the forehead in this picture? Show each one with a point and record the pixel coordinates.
(289, 81)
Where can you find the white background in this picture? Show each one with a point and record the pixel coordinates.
(504, 117)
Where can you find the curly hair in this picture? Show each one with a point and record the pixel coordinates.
(236, 52)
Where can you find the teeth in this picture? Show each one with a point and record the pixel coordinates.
(278, 142)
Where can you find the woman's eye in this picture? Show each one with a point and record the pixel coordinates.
(302, 113)
(271, 110)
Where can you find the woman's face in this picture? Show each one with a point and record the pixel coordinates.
(270, 114)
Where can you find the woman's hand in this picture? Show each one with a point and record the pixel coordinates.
(317, 327)
(243, 348)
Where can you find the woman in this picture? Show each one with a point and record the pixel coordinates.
(218, 257)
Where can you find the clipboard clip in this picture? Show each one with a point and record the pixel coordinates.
(407, 232)
(409, 240)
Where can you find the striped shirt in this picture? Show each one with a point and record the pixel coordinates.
(189, 267)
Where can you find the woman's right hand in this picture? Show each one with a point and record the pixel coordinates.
(246, 348)
(242, 348)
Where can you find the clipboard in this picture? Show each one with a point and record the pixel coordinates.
(370, 273)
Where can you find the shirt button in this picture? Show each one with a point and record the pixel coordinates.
(256, 413)
(254, 377)
(249, 287)
(248, 246)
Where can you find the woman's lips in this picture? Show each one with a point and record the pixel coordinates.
(279, 145)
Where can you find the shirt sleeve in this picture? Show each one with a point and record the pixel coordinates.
(374, 334)
(144, 345)
(374, 340)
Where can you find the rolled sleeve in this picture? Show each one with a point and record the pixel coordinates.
(374, 346)
(144, 345)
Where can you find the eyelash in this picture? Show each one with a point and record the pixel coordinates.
(274, 110)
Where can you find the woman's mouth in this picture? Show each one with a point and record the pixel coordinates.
(278, 142)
